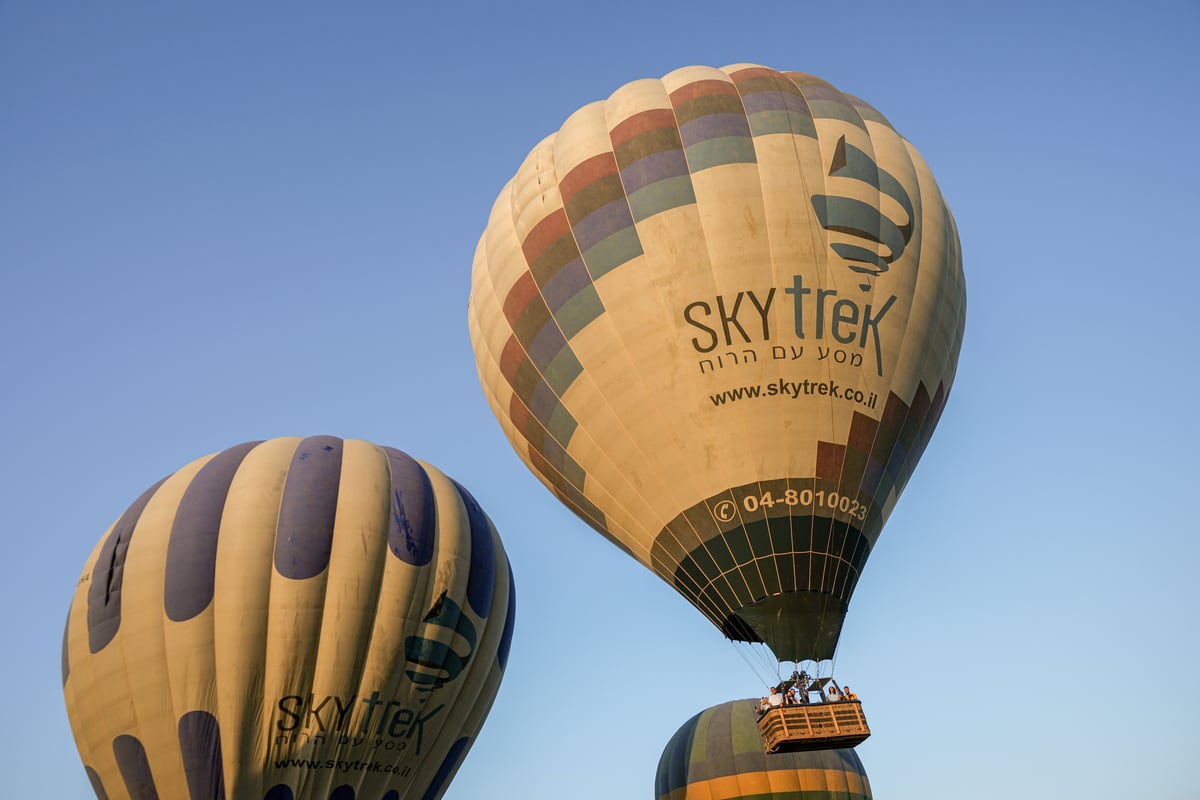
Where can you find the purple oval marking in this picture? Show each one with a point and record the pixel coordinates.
(481, 581)
(413, 528)
(104, 593)
(191, 567)
(97, 784)
(135, 768)
(280, 791)
(304, 537)
(200, 747)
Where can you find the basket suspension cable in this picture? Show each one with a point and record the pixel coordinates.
(757, 662)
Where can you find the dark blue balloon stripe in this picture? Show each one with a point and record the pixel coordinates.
(191, 566)
(97, 784)
(413, 528)
(509, 620)
(672, 766)
(135, 768)
(481, 581)
(449, 765)
(304, 537)
(104, 594)
(343, 792)
(280, 791)
(200, 747)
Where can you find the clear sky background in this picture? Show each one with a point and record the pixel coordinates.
(223, 221)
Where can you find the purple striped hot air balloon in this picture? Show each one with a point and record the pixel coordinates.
(286, 619)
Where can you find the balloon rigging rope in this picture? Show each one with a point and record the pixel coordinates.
(756, 665)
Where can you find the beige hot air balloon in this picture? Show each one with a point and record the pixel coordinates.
(295, 619)
(718, 315)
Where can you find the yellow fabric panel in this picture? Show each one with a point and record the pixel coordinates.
(359, 550)
(782, 781)
(142, 636)
(83, 682)
(534, 190)
(858, 784)
(942, 295)
(746, 784)
(474, 690)
(581, 137)
(124, 669)
(241, 600)
(769, 783)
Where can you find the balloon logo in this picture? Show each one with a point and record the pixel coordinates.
(293, 618)
(718, 315)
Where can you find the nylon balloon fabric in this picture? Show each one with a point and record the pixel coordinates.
(718, 755)
(287, 619)
(718, 315)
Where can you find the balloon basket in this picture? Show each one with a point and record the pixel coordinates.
(817, 726)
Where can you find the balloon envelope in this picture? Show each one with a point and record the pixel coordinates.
(718, 754)
(294, 618)
(718, 315)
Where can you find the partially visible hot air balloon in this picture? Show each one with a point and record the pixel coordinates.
(294, 618)
(718, 315)
(718, 754)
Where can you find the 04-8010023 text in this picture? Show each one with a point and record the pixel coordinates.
(807, 498)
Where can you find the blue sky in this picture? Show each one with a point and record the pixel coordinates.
(221, 223)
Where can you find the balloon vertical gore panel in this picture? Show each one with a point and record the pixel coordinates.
(719, 315)
(292, 618)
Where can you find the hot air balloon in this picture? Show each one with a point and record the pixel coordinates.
(717, 754)
(718, 315)
(286, 619)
